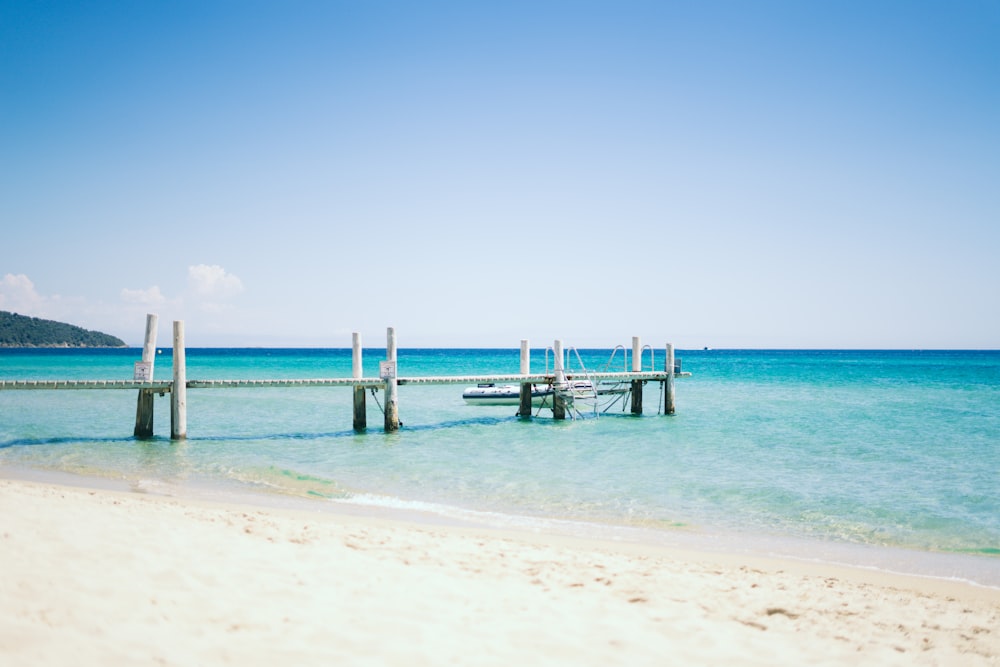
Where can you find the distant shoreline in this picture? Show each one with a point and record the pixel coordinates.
(65, 346)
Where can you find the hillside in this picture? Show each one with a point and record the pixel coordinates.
(21, 331)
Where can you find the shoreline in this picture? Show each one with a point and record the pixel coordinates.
(979, 570)
(112, 576)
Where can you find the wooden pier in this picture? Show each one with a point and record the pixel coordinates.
(388, 381)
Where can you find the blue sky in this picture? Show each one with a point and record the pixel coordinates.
(729, 174)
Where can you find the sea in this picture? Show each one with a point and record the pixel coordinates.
(877, 459)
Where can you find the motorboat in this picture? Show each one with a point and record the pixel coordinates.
(489, 393)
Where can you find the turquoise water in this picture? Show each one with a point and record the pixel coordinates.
(843, 455)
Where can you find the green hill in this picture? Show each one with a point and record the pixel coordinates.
(21, 331)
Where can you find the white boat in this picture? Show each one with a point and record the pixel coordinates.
(578, 394)
(503, 394)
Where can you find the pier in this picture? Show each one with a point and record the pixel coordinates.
(559, 378)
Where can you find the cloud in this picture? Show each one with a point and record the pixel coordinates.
(212, 282)
(17, 294)
(149, 297)
(206, 304)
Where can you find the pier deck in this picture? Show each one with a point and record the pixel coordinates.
(366, 383)
(85, 384)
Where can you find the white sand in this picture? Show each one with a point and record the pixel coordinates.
(96, 577)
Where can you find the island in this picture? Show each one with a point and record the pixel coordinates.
(23, 331)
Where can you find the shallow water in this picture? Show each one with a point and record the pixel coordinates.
(842, 455)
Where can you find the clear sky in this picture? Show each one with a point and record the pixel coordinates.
(724, 174)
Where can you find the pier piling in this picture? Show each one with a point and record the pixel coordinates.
(391, 386)
(524, 409)
(668, 406)
(636, 384)
(360, 406)
(144, 403)
(178, 393)
(558, 402)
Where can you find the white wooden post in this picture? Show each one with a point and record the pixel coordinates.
(391, 389)
(668, 407)
(360, 406)
(144, 404)
(178, 393)
(558, 403)
(149, 345)
(636, 384)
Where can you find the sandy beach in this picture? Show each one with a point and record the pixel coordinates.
(101, 577)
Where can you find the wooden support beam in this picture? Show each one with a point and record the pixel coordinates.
(144, 414)
(637, 397)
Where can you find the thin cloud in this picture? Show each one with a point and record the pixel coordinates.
(150, 297)
(212, 282)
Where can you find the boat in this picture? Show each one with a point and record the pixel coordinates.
(489, 393)
(578, 394)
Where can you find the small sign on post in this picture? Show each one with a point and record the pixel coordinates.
(387, 370)
(143, 371)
